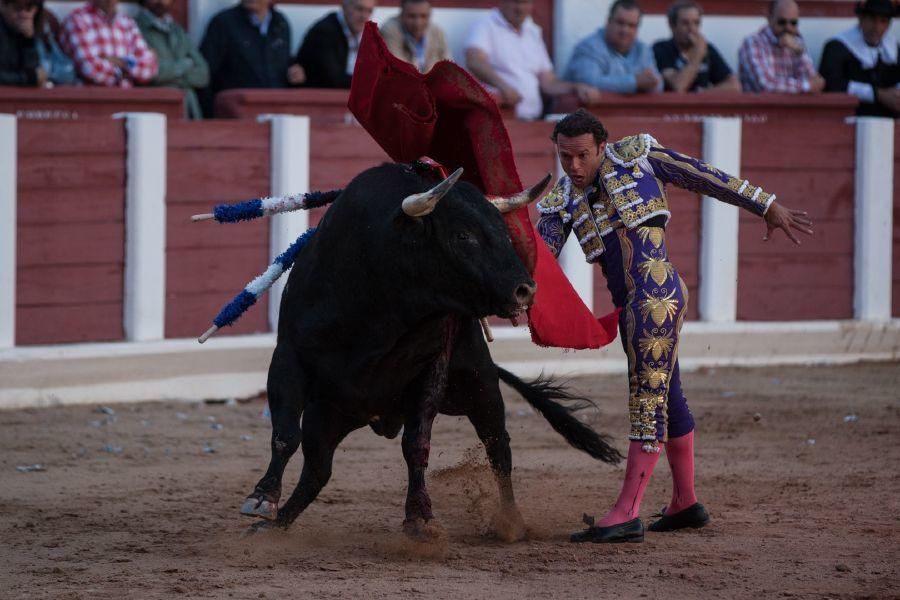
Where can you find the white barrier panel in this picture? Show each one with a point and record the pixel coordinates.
(289, 175)
(145, 227)
(719, 225)
(579, 272)
(874, 206)
(8, 146)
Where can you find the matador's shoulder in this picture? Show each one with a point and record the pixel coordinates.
(629, 150)
(556, 199)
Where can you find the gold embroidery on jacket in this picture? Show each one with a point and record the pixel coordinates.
(654, 233)
(657, 343)
(654, 376)
(659, 269)
(659, 309)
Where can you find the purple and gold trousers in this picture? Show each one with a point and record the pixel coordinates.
(653, 299)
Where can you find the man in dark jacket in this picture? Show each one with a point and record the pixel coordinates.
(328, 52)
(19, 62)
(863, 61)
(246, 46)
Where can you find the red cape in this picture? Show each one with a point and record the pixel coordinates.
(447, 115)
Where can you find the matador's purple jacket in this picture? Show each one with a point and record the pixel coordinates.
(633, 176)
(619, 221)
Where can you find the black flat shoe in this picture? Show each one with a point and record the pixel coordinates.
(630, 531)
(694, 516)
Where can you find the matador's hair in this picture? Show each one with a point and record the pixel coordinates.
(579, 123)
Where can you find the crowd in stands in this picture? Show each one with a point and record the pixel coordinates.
(248, 46)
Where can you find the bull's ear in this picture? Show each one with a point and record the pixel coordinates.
(419, 205)
(508, 204)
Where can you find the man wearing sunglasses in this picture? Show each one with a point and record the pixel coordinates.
(775, 59)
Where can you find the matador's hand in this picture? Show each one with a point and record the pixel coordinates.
(780, 217)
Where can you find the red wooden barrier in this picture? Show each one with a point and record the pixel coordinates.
(207, 263)
(70, 103)
(70, 234)
(809, 165)
(326, 106)
(693, 107)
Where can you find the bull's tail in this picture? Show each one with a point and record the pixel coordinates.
(544, 395)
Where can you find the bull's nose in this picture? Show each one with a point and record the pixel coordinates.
(525, 293)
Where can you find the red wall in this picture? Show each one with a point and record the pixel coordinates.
(70, 235)
(810, 166)
(207, 263)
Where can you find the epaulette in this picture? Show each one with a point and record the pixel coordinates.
(556, 200)
(629, 150)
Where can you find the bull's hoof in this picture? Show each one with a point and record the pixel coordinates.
(508, 525)
(424, 531)
(258, 506)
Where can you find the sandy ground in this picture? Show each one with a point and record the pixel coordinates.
(142, 503)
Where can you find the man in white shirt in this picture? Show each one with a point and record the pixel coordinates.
(506, 52)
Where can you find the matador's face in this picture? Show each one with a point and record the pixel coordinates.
(580, 157)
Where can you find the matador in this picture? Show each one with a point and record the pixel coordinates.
(613, 197)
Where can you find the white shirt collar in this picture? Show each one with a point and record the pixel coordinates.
(866, 54)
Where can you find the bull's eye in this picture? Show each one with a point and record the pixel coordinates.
(463, 236)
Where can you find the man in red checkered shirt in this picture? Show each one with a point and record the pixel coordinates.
(775, 59)
(107, 48)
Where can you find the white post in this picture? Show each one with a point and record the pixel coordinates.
(874, 193)
(145, 226)
(719, 225)
(289, 175)
(8, 148)
(571, 259)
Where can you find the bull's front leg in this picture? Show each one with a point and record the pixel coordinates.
(417, 441)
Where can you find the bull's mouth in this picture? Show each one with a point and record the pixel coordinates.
(512, 311)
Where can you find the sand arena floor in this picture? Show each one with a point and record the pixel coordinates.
(143, 503)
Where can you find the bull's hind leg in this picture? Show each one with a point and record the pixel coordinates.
(487, 416)
(323, 430)
(285, 406)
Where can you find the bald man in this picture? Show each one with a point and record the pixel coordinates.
(775, 59)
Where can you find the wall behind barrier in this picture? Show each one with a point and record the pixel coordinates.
(70, 236)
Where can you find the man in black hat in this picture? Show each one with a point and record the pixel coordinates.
(863, 61)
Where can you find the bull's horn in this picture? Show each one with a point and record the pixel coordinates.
(508, 204)
(419, 205)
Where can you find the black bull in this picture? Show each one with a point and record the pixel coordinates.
(379, 326)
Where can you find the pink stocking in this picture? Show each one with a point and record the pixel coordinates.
(637, 476)
(680, 452)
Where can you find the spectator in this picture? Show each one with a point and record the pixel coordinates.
(412, 37)
(612, 59)
(247, 46)
(686, 61)
(863, 61)
(59, 67)
(506, 51)
(180, 64)
(19, 63)
(328, 51)
(775, 59)
(107, 48)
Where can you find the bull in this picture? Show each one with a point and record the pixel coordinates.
(379, 326)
